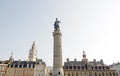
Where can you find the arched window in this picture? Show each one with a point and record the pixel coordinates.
(74, 67)
(15, 65)
(96, 67)
(92, 67)
(82, 67)
(70, 67)
(86, 67)
(58, 73)
(100, 67)
(66, 67)
(78, 67)
(20, 66)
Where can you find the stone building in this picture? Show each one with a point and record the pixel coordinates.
(116, 66)
(31, 67)
(21, 68)
(41, 68)
(87, 68)
(3, 67)
(27, 68)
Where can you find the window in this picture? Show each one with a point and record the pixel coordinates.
(70, 67)
(96, 67)
(16, 65)
(82, 67)
(78, 67)
(66, 67)
(74, 67)
(86, 67)
(29, 66)
(92, 67)
(20, 66)
(58, 73)
(100, 67)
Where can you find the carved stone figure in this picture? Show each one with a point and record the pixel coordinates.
(56, 24)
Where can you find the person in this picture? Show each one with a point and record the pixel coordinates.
(56, 24)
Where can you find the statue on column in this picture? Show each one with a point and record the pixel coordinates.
(56, 25)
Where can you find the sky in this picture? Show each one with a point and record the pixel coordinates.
(90, 24)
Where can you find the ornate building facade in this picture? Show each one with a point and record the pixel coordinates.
(31, 67)
(3, 67)
(87, 68)
(116, 66)
(41, 68)
(21, 68)
(27, 68)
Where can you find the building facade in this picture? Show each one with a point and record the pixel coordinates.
(31, 67)
(3, 67)
(41, 68)
(27, 68)
(21, 68)
(87, 68)
(116, 66)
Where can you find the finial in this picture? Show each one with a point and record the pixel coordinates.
(11, 53)
(83, 52)
(11, 57)
(33, 45)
